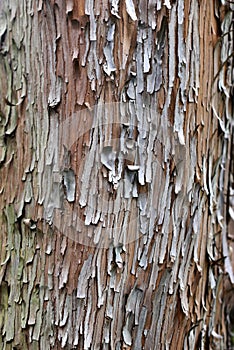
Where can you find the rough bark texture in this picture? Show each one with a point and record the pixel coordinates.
(164, 278)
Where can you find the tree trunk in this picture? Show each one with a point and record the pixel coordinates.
(116, 174)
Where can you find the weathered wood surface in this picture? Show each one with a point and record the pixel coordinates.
(149, 264)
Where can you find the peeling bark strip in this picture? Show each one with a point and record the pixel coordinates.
(116, 121)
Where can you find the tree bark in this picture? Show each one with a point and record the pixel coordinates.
(116, 174)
